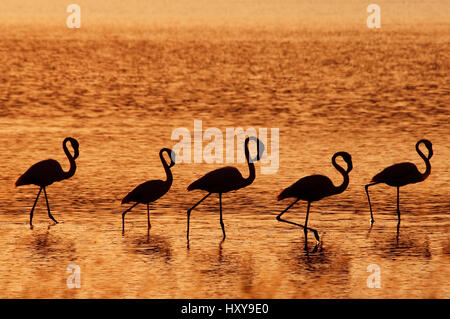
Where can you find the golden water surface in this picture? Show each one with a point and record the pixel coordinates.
(122, 91)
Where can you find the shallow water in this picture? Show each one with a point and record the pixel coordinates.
(121, 94)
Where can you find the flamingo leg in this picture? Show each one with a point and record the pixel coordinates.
(34, 205)
(398, 204)
(48, 207)
(123, 216)
(189, 212)
(306, 219)
(221, 219)
(316, 234)
(368, 199)
(148, 216)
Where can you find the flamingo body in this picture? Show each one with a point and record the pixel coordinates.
(42, 174)
(400, 174)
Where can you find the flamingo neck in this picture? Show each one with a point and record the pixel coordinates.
(169, 177)
(427, 162)
(339, 189)
(73, 165)
(251, 167)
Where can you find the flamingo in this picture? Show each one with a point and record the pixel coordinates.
(315, 187)
(150, 191)
(47, 172)
(402, 174)
(224, 180)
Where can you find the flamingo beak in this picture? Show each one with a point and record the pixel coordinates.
(430, 148)
(76, 147)
(348, 159)
(172, 159)
(260, 149)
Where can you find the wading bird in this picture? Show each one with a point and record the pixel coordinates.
(224, 180)
(150, 191)
(315, 187)
(47, 172)
(402, 174)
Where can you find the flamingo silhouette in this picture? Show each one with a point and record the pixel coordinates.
(47, 172)
(315, 187)
(150, 191)
(224, 180)
(402, 174)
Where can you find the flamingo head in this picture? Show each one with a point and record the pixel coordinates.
(428, 145)
(347, 158)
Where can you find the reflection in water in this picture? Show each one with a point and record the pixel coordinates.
(404, 243)
(446, 248)
(317, 258)
(318, 265)
(224, 265)
(48, 246)
(227, 265)
(42, 245)
(216, 262)
(153, 246)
